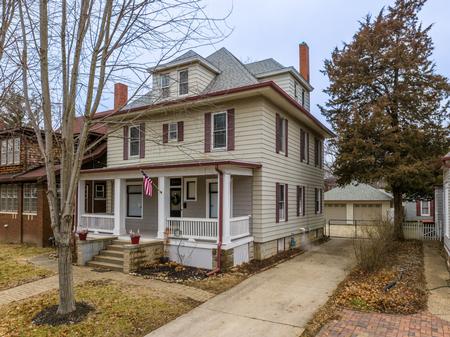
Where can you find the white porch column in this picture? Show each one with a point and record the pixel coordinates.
(119, 206)
(80, 200)
(163, 205)
(226, 193)
(349, 213)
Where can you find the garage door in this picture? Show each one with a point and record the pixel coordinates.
(367, 212)
(335, 212)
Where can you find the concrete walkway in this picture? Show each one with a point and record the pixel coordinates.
(277, 302)
(437, 277)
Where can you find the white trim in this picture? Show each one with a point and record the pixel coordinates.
(280, 219)
(179, 81)
(130, 156)
(446, 210)
(429, 208)
(185, 181)
(224, 148)
(208, 181)
(176, 132)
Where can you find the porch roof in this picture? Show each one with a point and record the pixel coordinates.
(179, 164)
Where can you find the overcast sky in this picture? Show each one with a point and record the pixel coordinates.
(273, 28)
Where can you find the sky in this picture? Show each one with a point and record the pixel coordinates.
(274, 28)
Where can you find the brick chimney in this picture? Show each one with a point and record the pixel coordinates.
(303, 51)
(120, 95)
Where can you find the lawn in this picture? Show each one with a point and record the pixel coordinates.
(15, 270)
(119, 310)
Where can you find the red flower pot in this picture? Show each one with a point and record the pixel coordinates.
(135, 240)
(82, 236)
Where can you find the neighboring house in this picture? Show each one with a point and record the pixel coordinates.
(234, 152)
(446, 205)
(419, 210)
(360, 202)
(24, 212)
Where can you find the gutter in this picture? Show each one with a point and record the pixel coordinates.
(220, 229)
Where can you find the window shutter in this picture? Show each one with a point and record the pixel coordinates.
(432, 209)
(302, 145)
(286, 137)
(277, 201)
(142, 140)
(304, 199)
(180, 131)
(277, 133)
(286, 197)
(125, 142)
(208, 132)
(230, 131)
(165, 133)
(298, 200)
(321, 154)
(418, 210)
(316, 201)
(321, 201)
(307, 148)
(316, 152)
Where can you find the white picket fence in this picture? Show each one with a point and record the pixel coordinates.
(418, 230)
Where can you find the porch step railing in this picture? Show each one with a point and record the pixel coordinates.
(240, 227)
(103, 223)
(192, 228)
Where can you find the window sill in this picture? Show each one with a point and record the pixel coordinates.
(134, 217)
(30, 213)
(8, 212)
(220, 149)
(190, 200)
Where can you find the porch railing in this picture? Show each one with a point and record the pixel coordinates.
(240, 227)
(97, 222)
(192, 228)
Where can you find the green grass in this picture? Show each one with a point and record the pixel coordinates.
(120, 310)
(15, 270)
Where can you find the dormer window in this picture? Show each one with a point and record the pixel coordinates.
(10, 151)
(165, 85)
(296, 91)
(303, 97)
(183, 77)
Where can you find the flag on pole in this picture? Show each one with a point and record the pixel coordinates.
(148, 185)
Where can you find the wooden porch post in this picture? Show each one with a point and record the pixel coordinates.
(163, 205)
(119, 206)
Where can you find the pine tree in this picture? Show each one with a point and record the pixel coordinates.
(388, 105)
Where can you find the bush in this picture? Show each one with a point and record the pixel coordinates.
(377, 243)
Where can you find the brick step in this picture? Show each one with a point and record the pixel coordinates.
(112, 253)
(115, 247)
(104, 265)
(108, 259)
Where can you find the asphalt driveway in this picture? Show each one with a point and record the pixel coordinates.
(277, 302)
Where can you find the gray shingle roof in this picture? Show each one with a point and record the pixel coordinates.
(356, 192)
(264, 66)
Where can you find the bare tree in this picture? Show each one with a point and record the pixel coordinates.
(67, 51)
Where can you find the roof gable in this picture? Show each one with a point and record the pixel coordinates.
(356, 192)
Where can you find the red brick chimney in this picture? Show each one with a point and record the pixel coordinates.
(303, 51)
(120, 95)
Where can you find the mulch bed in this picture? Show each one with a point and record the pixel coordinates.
(48, 316)
(172, 272)
(399, 287)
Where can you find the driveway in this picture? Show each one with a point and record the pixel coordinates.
(277, 302)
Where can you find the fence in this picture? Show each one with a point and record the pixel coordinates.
(418, 230)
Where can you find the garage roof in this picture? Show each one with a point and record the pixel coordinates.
(357, 192)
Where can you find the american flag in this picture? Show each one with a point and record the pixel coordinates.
(148, 185)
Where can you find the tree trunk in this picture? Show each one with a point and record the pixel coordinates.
(398, 214)
(66, 294)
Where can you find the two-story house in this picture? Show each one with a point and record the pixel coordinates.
(234, 153)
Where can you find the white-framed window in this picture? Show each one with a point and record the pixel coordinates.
(3, 151)
(282, 202)
(173, 131)
(165, 85)
(10, 153)
(134, 141)
(219, 130)
(303, 97)
(296, 91)
(183, 82)
(282, 135)
(134, 201)
(300, 200)
(8, 198)
(318, 201)
(16, 150)
(30, 198)
(190, 189)
(100, 191)
(425, 208)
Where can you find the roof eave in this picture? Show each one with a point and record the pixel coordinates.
(289, 70)
(183, 62)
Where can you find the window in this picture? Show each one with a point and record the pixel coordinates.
(100, 191)
(318, 200)
(190, 189)
(318, 154)
(303, 145)
(425, 208)
(134, 141)
(183, 77)
(219, 130)
(301, 200)
(8, 198)
(303, 97)
(296, 91)
(134, 201)
(16, 150)
(3, 151)
(173, 131)
(282, 201)
(29, 198)
(10, 151)
(165, 85)
(282, 134)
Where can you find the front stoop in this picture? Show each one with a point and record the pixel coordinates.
(110, 258)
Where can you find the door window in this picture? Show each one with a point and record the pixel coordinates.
(213, 200)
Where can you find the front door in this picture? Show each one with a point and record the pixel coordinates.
(175, 198)
(213, 200)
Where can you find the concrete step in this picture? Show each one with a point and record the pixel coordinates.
(112, 253)
(115, 247)
(121, 242)
(108, 259)
(104, 265)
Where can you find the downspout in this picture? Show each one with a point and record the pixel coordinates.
(220, 229)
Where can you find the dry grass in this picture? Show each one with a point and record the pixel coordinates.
(364, 290)
(15, 270)
(120, 310)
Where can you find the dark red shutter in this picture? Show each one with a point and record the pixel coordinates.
(298, 200)
(418, 211)
(307, 148)
(181, 131)
(286, 207)
(321, 154)
(142, 140)
(277, 201)
(277, 133)
(165, 132)
(125, 142)
(316, 152)
(230, 122)
(432, 209)
(302, 145)
(208, 132)
(316, 200)
(304, 199)
(286, 137)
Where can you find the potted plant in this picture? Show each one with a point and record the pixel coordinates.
(82, 234)
(135, 237)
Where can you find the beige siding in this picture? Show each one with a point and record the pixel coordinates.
(242, 196)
